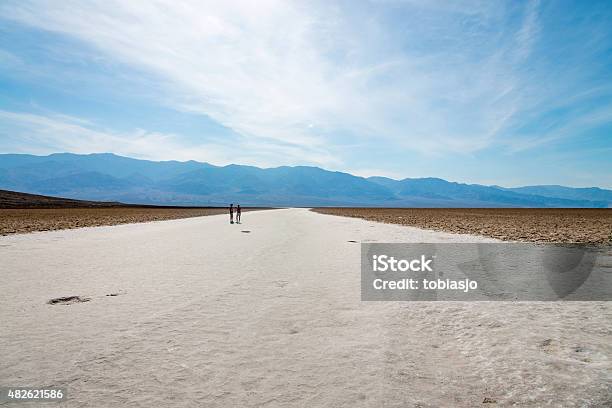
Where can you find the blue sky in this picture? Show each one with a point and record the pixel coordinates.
(508, 93)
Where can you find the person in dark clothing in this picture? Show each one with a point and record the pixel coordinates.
(238, 214)
(231, 210)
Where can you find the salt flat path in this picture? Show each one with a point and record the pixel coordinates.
(208, 315)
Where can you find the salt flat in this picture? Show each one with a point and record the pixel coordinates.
(209, 315)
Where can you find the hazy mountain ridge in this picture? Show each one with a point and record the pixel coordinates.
(587, 193)
(110, 177)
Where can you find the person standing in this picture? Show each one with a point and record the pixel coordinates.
(231, 210)
(238, 214)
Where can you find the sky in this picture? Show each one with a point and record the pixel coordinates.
(491, 92)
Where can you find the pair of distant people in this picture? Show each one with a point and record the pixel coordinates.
(238, 212)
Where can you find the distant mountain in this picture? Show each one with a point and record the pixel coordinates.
(589, 193)
(442, 192)
(109, 177)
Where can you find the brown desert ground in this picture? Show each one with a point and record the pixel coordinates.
(561, 225)
(22, 213)
(14, 221)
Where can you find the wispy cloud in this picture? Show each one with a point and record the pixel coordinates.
(50, 132)
(272, 69)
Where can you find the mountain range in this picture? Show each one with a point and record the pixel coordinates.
(108, 177)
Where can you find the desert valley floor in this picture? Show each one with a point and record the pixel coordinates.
(198, 312)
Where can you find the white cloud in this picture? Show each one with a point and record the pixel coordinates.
(53, 133)
(298, 73)
(50, 133)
